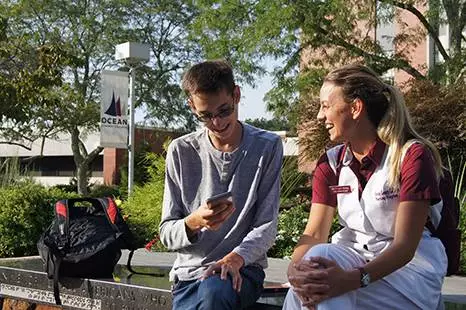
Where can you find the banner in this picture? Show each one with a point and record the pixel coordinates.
(114, 110)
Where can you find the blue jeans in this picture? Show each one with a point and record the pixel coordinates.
(214, 293)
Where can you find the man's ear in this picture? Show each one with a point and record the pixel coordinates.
(191, 105)
(236, 94)
(357, 108)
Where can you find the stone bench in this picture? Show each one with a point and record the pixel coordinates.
(27, 281)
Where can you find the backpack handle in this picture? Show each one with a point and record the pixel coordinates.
(96, 203)
(105, 204)
(62, 211)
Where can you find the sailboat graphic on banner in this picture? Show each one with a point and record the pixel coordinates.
(115, 107)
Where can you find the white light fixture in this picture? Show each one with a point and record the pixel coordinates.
(132, 51)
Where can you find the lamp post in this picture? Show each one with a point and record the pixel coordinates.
(134, 54)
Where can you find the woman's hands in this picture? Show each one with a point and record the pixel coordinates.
(318, 278)
(304, 276)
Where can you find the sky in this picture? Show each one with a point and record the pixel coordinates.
(252, 103)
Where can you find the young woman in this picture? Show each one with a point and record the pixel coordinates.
(383, 182)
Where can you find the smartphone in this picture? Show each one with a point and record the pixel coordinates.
(221, 196)
(214, 198)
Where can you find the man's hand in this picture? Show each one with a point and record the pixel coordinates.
(230, 264)
(210, 215)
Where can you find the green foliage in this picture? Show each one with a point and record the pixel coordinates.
(274, 124)
(458, 170)
(11, 171)
(291, 224)
(459, 174)
(164, 25)
(144, 206)
(141, 163)
(28, 74)
(291, 178)
(462, 227)
(101, 190)
(52, 53)
(26, 210)
(311, 37)
(70, 188)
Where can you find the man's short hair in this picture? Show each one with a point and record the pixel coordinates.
(208, 77)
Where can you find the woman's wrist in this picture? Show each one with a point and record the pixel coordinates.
(353, 279)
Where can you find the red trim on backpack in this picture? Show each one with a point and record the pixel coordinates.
(111, 210)
(60, 209)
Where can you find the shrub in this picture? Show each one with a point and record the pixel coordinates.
(12, 171)
(26, 209)
(463, 238)
(144, 206)
(104, 191)
(141, 175)
(291, 178)
(69, 188)
(439, 113)
(459, 175)
(291, 224)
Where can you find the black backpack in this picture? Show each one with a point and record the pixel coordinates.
(84, 241)
(448, 231)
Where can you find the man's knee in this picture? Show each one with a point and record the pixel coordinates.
(215, 293)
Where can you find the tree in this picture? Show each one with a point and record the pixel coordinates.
(274, 124)
(313, 36)
(87, 31)
(80, 27)
(26, 76)
(164, 25)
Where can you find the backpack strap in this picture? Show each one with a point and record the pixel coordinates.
(111, 211)
(112, 214)
(114, 218)
(128, 263)
(128, 266)
(56, 291)
(63, 222)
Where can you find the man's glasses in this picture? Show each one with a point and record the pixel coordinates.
(208, 117)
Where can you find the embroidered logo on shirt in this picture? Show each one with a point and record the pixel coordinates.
(387, 194)
(343, 189)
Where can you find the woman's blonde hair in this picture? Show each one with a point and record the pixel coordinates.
(386, 110)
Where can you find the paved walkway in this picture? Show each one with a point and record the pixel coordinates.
(454, 287)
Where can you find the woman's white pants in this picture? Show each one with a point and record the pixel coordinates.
(378, 295)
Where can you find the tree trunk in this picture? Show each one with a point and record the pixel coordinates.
(82, 160)
(81, 174)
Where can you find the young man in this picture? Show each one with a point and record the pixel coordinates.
(221, 244)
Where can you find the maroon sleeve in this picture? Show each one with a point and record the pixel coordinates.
(418, 178)
(323, 178)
